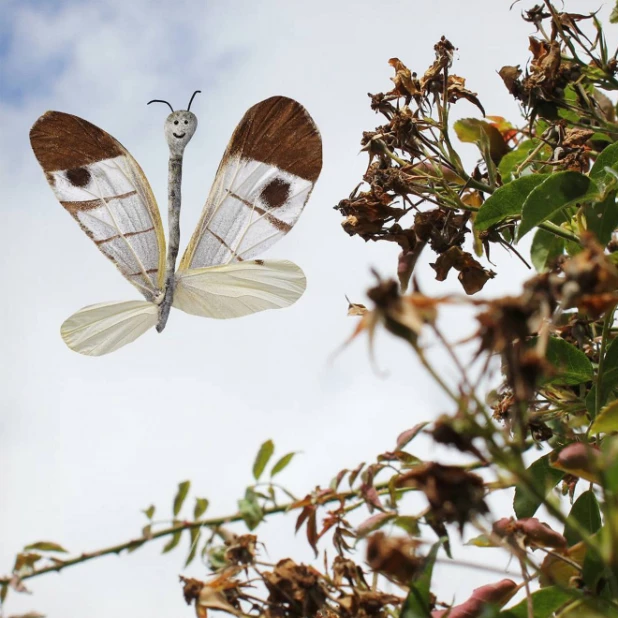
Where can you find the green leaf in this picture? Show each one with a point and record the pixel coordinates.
(216, 557)
(586, 513)
(544, 478)
(570, 97)
(201, 504)
(264, 454)
(607, 158)
(571, 364)
(596, 573)
(551, 196)
(507, 201)
(611, 355)
(481, 541)
(609, 383)
(150, 511)
(172, 542)
(46, 546)
(546, 601)
(473, 130)
(609, 380)
(195, 537)
(602, 218)
(408, 523)
(417, 603)
(250, 509)
(546, 247)
(606, 420)
(512, 160)
(281, 464)
(613, 16)
(181, 494)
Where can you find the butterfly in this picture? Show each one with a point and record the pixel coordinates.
(264, 180)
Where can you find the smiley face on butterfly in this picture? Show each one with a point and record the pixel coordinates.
(179, 129)
(263, 182)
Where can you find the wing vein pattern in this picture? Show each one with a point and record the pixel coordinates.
(269, 169)
(104, 189)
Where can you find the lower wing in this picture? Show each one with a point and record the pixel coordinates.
(100, 329)
(238, 289)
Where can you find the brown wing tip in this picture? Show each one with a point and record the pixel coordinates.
(280, 131)
(62, 141)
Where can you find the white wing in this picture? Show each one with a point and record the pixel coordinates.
(263, 183)
(100, 329)
(238, 289)
(102, 186)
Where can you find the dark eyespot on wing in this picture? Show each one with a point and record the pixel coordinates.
(78, 176)
(259, 262)
(276, 193)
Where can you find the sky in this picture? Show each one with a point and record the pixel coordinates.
(86, 443)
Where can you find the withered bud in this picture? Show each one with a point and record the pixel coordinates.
(454, 494)
(497, 594)
(394, 557)
(241, 549)
(579, 456)
(540, 431)
(455, 432)
(191, 589)
(529, 531)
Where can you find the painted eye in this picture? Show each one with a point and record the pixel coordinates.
(175, 121)
(186, 122)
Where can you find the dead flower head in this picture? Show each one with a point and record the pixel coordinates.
(222, 593)
(298, 587)
(590, 279)
(394, 557)
(455, 495)
(241, 549)
(367, 604)
(346, 569)
(403, 316)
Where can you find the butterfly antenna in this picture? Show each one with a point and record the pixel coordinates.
(161, 101)
(193, 97)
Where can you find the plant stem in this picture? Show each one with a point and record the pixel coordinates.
(607, 323)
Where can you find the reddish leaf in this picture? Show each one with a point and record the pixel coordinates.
(409, 435)
(374, 523)
(355, 473)
(312, 531)
(304, 514)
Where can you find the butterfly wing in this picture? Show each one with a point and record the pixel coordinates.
(264, 180)
(102, 186)
(100, 329)
(238, 289)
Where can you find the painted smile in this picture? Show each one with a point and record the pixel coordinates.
(179, 136)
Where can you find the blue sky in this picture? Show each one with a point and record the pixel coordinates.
(86, 443)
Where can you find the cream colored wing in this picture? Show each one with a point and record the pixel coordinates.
(102, 186)
(100, 329)
(235, 290)
(263, 183)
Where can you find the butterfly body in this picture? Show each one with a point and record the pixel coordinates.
(264, 180)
